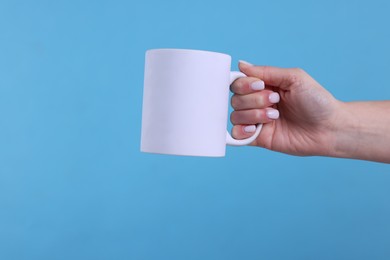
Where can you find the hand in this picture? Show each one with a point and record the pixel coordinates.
(299, 115)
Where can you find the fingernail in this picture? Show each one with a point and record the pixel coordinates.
(274, 97)
(272, 113)
(249, 129)
(257, 85)
(245, 62)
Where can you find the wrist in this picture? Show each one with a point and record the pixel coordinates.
(345, 132)
(362, 131)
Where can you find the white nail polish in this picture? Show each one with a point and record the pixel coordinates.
(245, 62)
(272, 113)
(249, 129)
(274, 98)
(257, 85)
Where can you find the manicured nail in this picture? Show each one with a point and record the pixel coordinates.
(274, 97)
(257, 85)
(272, 113)
(245, 62)
(249, 129)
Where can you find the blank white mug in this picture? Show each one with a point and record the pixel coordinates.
(185, 103)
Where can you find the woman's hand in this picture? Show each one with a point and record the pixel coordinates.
(298, 114)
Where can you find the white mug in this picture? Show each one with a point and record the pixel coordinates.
(185, 103)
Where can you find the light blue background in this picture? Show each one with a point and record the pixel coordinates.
(73, 184)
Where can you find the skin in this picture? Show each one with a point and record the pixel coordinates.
(311, 121)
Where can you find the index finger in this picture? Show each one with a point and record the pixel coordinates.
(274, 76)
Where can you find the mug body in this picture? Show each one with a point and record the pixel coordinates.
(185, 102)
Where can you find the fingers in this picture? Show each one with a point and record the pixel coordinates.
(243, 86)
(260, 99)
(243, 131)
(274, 76)
(254, 116)
(254, 101)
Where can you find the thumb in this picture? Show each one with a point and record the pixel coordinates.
(273, 76)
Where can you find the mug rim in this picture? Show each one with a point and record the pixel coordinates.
(187, 50)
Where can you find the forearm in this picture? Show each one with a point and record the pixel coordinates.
(363, 131)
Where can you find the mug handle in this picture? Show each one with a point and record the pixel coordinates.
(229, 139)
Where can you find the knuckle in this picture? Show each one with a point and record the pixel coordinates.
(257, 115)
(234, 102)
(296, 76)
(236, 86)
(265, 71)
(258, 101)
(298, 71)
(233, 117)
(235, 132)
